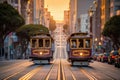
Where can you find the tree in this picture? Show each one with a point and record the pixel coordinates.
(52, 25)
(26, 31)
(112, 30)
(65, 27)
(24, 7)
(10, 20)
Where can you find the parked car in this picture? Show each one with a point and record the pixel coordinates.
(111, 57)
(95, 56)
(104, 57)
(99, 57)
(117, 60)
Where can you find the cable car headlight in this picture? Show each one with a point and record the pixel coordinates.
(81, 54)
(40, 53)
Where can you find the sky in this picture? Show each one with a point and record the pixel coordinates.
(57, 7)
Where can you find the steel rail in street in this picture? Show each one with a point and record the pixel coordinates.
(87, 74)
(16, 68)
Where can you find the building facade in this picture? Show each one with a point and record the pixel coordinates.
(38, 11)
(84, 23)
(66, 21)
(46, 17)
(77, 8)
(114, 7)
(72, 16)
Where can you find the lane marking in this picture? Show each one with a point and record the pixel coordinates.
(30, 74)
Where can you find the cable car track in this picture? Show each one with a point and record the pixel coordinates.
(14, 70)
(90, 73)
(49, 72)
(63, 71)
(60, 74)
(90, 76)
(74, 77)
(66, 71)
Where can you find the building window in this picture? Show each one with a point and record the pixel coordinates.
(111, 9)
(86, 26)
(86, 20)
(14, 1)
(117, 8)
(117, 0)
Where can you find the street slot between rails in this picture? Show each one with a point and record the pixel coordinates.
(69, 70)
(59, 72)
(48, 75)
(62, 71)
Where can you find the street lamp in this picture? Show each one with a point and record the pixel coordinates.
(28, 11)
(91, 12)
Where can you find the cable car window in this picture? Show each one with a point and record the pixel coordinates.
(80, 43)
(47, 43)
(34, 43)
(40, 42)
(87, 43)
(74, 44)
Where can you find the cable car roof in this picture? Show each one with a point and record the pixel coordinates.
(42, 35)
(79, 35)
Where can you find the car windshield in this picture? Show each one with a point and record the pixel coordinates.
(115, 52)
(106, 54)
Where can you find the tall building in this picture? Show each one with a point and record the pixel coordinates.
(105, 12)
(118, 12)
(114, 7)
(95, 22)
(46, 17)
(77, 8)
(66, 17)
(105, 16)
(72, 16)
(84, 23)
(109, 8)
(38, 12)
(66, 21)
(15, 3)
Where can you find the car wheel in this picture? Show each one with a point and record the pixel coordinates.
(72, 62)
(115, 65)
(118, 65)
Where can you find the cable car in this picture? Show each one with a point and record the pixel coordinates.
(79, 48)
(42, 47)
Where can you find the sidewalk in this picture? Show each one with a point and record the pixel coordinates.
(4, 63)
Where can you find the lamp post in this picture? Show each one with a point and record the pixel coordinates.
(28, 11)
(92, 13)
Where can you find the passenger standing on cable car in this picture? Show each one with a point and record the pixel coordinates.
(73, 44)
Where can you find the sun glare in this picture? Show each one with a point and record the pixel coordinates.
(57, 7)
